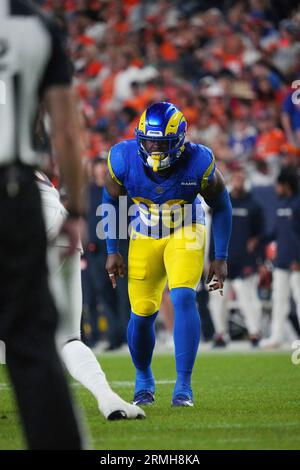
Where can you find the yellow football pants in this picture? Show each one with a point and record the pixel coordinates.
(178, 259)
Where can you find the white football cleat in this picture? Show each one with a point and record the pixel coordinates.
(114, 407)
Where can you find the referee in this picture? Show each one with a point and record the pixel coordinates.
(33, 66)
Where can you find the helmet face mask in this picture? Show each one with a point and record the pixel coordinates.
(160, 135)
(155, 145)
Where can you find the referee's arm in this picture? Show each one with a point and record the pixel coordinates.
(60, 102)
(61, 106)
(56, 90)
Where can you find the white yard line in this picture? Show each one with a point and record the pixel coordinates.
(235, 347)
(116, 383)
(120, 383)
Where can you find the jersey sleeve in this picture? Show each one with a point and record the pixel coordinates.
(208, 167)
(117, 164)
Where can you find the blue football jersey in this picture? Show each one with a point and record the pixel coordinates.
(162, 203)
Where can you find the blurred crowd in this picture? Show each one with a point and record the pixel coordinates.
(230, 66)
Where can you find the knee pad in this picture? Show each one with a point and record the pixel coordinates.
(144, 307)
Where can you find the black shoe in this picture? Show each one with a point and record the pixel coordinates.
(254, 340)
(219, 342)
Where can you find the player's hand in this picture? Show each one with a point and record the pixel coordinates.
(115, 266)
(217, 275)
(72, 228)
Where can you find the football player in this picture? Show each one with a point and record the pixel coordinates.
(65, 283)
(164, 175)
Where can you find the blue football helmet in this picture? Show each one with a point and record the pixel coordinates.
(160, 135)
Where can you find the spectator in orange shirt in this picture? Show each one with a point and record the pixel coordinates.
(142, 97)
(167, 48)
(269, 142)
(188, 106)
(270, 137)
(290, 156)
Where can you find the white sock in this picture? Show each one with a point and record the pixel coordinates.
(83, 366)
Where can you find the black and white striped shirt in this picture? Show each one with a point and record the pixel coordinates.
(32, 59)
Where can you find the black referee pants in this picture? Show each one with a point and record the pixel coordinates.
(28, 318)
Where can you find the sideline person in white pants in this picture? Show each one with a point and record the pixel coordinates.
(247, 229)
(285, 284)
(65, 283)
(286, 277)
(246, 293)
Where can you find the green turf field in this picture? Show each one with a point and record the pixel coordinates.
(242, 401)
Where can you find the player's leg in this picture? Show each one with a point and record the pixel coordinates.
(295, 288)
(80, 361)
(280, 307)
(82, 364)
(146, 281)
(104, 297)
(167, 317)
(184, 259)
(219, 314)
(246, 291)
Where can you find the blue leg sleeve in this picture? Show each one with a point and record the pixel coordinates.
(186, 336)
(141, 342)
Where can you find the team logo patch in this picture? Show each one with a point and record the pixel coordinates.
(154, 133)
